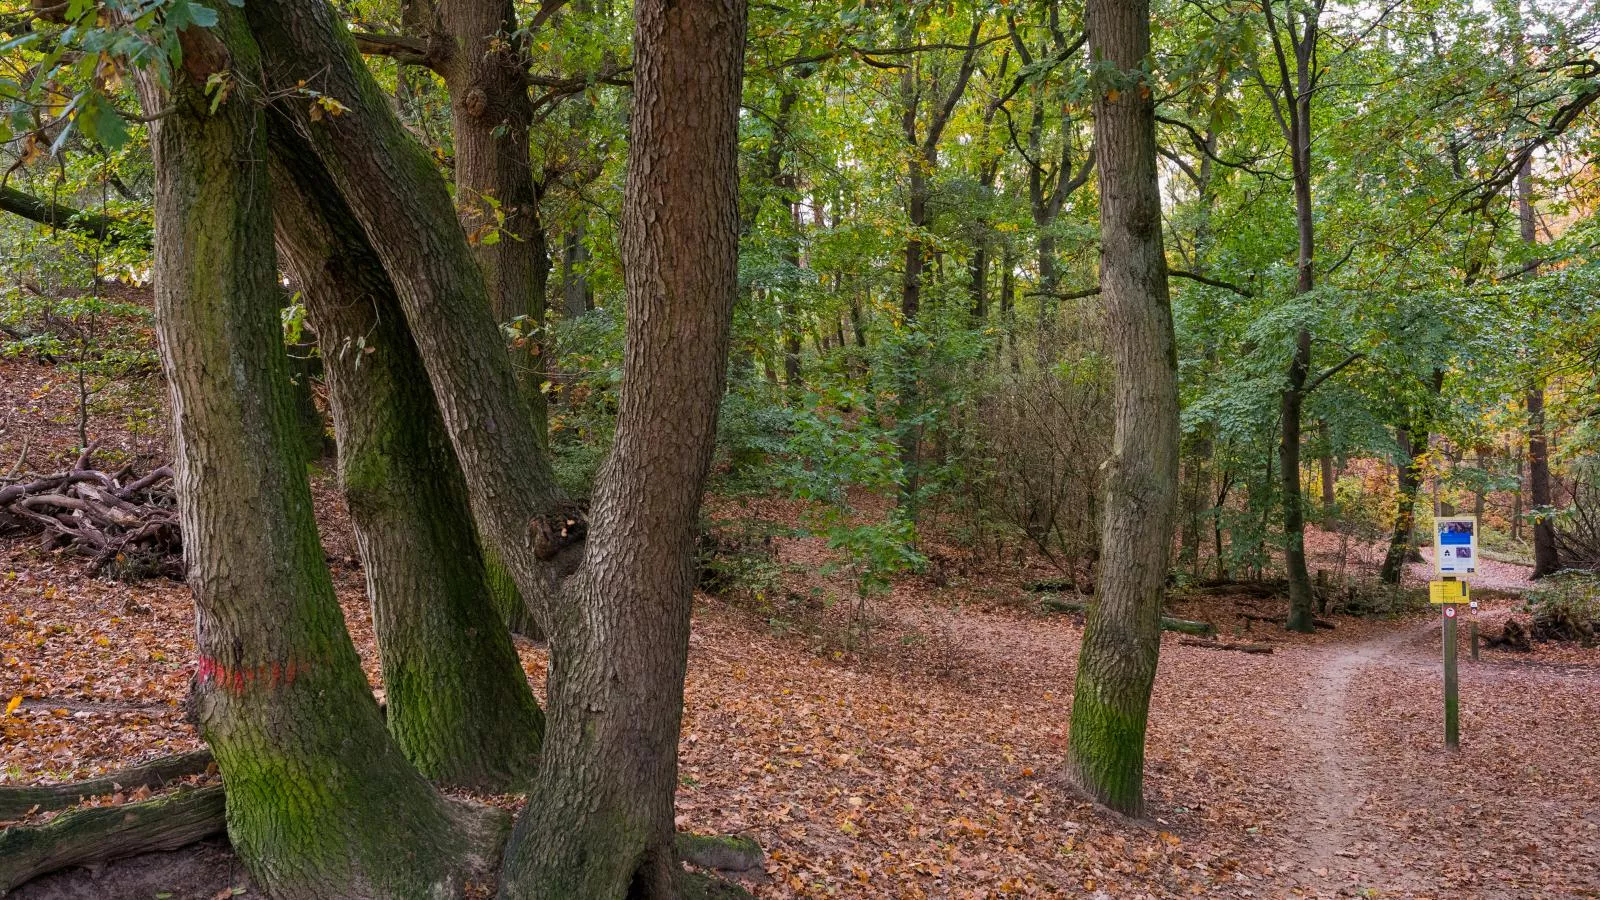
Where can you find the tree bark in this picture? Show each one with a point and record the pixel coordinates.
(458, 701)
(1294, 513)
(496, 192)
(1546, 557)
(320, 800)
(1117, 664)
(603, 823)
(395, 192)
(1408, 480)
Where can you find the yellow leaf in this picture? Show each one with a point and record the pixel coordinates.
(1112, 95)
(12, 706)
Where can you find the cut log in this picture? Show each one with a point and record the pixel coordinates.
(100, 834)
(1217, 645)
(16, 802)
(1186, 626)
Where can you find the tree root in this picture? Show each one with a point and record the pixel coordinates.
(16, 802)
(100, 834)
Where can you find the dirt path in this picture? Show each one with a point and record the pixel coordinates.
(1379, 806)
(1338, 784)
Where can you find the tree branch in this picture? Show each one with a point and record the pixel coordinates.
(1213, 282)
(55, 215)
(409, 51)
(1316, 382)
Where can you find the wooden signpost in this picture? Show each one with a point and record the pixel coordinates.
(1455, 555)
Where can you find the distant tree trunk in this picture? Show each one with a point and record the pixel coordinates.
(576, 292)
(1546, 558)
(1117, 663)
(457, 699)
(1294, 513)
(1516, 498)
(320, 800)
(1328, 500)
(1408, 480)
(602, 826)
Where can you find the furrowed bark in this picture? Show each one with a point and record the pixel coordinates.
(320, 800)
(395, 192)
(496, 193)
(603, 823)
(458, 702)
(1122, 636)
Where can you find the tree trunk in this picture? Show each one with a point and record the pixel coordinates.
(395, 192)
(498, 198)
(1121, 640)
(577, 295)
(1294, 514)
(1546, 560)
(602, 826)
(320, 800)
(457, 699)
(1328, 499)
(1408, 480)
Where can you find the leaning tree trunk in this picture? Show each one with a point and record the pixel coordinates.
(320, 800)
(1117, 664)
(457, 699)
(395, 192)
(602, 825)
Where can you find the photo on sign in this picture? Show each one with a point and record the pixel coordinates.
(1455, 545)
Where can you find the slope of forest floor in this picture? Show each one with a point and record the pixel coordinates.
(921, 754)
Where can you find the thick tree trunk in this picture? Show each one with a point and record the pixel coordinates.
(496, 193)
(394, 191)
(602, 826)
(320, 800)
(1408, 479)
(458, 702)
(1122, 637)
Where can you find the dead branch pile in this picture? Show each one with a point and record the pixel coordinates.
(126, 525)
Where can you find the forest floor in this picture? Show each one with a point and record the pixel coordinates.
(911, 745)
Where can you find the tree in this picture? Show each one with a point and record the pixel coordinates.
(458, 702)
(1122, 637)
(318, 794)
(603, 823)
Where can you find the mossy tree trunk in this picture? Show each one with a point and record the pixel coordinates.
(603, 823)
(458, 701)
(1122, 636)
(1408, 479)
(320, 800)
(393, 189)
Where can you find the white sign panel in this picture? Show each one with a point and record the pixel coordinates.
(1455, 545)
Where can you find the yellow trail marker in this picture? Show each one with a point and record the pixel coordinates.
(1443, 592)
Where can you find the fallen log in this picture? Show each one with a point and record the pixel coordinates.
(725, 853)
(1217, 645)
(126, 524)
(1186, 626)
(99, 834)
(16, 802)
